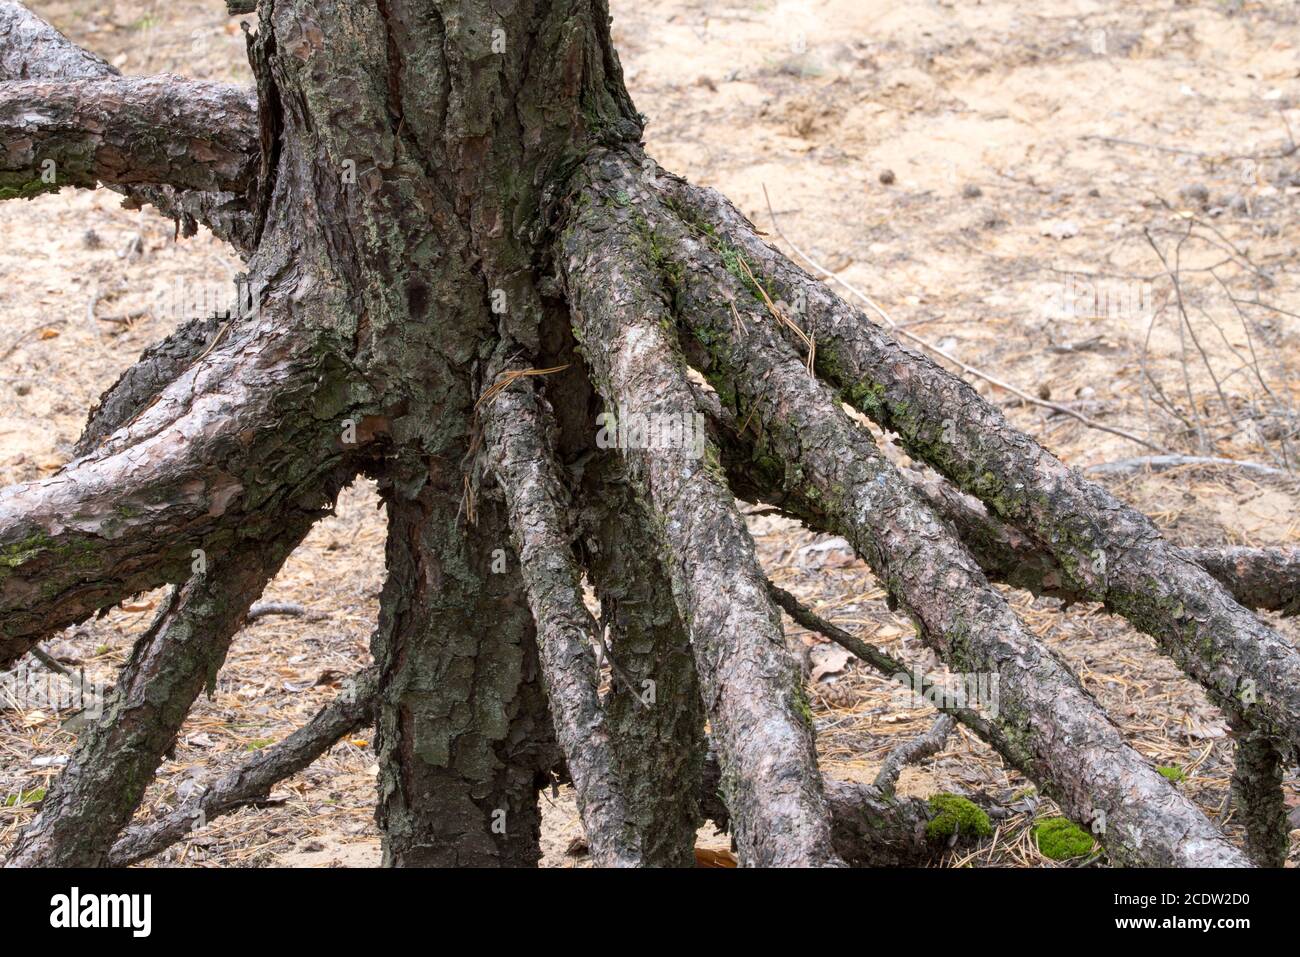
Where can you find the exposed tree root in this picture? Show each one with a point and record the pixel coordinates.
(1064, 740)
(252, 780)
(184, 481)
(914, 750)
(521, 452)
(122, 131)
(1264, 578)
(30, 47)
(1108, 551)
(1257, 791)
(171, 664)
(372, 230)
(751, 687)
(656, 716)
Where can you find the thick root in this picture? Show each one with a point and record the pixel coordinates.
(751, 687)
(654, 709)
(521, 453)
(121, 131)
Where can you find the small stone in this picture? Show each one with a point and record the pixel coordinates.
(1058, 228)
(887, 177)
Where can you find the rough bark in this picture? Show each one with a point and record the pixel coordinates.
(520, 449)
(117, 757)
(30, 47)
(1108, 551)
(1257, 791)
(653, 707)
(1065, 740)
(123, 131)
(462, 732)
(464, 198)
(252, 780)
(752, 690)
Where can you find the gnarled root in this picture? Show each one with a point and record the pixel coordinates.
(117, 757)
(520, 450)
(751, 687)
(1062, 738)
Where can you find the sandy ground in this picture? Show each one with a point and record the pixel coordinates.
(1030, 187)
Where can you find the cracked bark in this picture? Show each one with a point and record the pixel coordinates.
(120, 131)
(521, 452)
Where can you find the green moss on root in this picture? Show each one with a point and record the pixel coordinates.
(953, 814)
(1061, 839)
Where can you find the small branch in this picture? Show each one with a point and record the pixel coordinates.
(253, 779)
(912, 751)
(49, 661)
(1159, 463)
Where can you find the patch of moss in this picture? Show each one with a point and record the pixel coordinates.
(1173, 773)
(953, 814)
(25, 797)
(1062, 839)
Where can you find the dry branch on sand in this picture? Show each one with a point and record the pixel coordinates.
(448, 289)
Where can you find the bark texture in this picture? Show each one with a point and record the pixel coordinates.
(653, 706)
(521, 450)
(425, 193)
(171, 664)
(163, 130)
(1108, 551)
